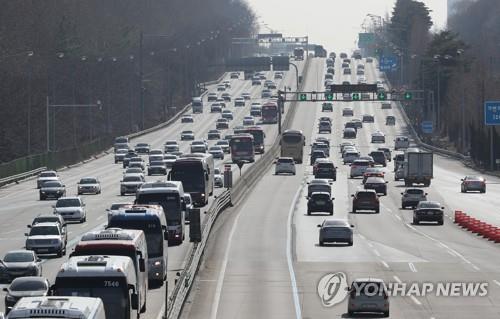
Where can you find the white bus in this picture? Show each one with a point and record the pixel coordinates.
(170, 195)
(119, 242)
(152, 221)
(292, 144)
(111, 278)
(59, 307)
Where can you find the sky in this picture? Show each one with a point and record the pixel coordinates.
(333, 23)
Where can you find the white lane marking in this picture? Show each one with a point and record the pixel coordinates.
(496, 282)
(386, 265)
(222, 273)
(370, 245)
(296, 301)
(451, 253)
(397, 216)
(397, 279)
(412, 267)
(376, 252)
(475, 267)
(361, 236)
(415, 300)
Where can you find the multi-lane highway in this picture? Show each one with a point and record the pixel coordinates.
(20, 203)
(264, 261)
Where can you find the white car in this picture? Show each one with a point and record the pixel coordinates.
(71, 209)
(89, 185)
(378, 137)
(120, 155)
(246, 96)
(45, 177)
(285, 165)
(216, 152)
(359, 167)
(248, 120)
(401, 142)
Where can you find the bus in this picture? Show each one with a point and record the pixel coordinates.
(196, 172)
(258, 138)
(292, 144)
(242, 148)
(111, 278)
(119, 242)
(151, 220)
(170, 195)
(270, 113)
(298, 53)
(58, 307)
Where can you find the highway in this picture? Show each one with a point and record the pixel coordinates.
(20, 202)
(263, 259)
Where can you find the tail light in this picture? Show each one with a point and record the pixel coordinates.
(354, 166)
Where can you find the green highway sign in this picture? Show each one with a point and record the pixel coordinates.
(329, 96)
(381, 96)
(356, 96)
(408, 95)
(303, 97)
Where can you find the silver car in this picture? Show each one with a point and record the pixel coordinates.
(350, 156)
(19, 263)
(368, 295)
(89, 185)
(131, 183)
(412, 196)
(285, 165)
(120, 155)
(45, 177)
(71, 209)
(47, 238)
(359, 167)
(335, 231)
(216, 152)
(218, 178)
(53, 189)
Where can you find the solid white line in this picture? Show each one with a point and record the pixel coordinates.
(376, 252)
(415, 300)
(222, 273)
(386, 265)
(298, 311)
(412, 267)
(397, 216)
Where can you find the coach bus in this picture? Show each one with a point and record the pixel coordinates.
(151, 220)
(292, 144)
(242, 148)
(270, 113)
(111, 278)
(258, 138)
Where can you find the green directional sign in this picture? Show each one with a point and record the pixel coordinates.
(381, 96)
(303, 97)
(408, 96)
(329, 96)
(356, 96)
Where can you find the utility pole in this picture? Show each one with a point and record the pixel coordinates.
(141, 75)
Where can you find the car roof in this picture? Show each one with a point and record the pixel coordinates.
(336, 222)
(374, 179)
(46, 224)
(319, 181)
(320, 193)
(366, 191)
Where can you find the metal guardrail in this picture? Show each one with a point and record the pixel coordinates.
(227, 198)
(18, 177)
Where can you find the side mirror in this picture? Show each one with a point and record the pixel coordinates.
(26, 234)
(5, 289)
(29, 226)
(352, 226)
(387, 182)
(38, 260)
(402, 193)
(142, 265)
(352, 195)
(442, 208)
(426, 194)
(462, 179)
(134, 301)
(333, 198)
(316, 226)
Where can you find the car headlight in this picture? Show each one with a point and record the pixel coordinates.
(157, 263)
(10, 298)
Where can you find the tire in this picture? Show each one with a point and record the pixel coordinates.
(42, 197)
(308, 212)
(122, 194)
(403, 206)
(321, 243)
(331, 213)
(416, 221)
(354, 210)
(386, 314)
(350, 313)
(349, 243)
(441, 222)
(59, 254)
(377, 211)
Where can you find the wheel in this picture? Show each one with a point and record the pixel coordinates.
(385, 193)
(308, 212)
(441, 222)
(377, 211)
(42, 197)
(331, 213)
(415, 221)
(350, 313)
(79, 193)
(483, 191)
(59, 254)
(403, 206)
(349, 243)
(321, 243)
(386, 314)
(354, 210)
(122, 193)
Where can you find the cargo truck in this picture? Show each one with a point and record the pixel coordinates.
(418, 167)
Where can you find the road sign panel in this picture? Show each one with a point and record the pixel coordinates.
(350, 88)
(427, 127)
(388, 63)
(280, 63)
(492, 113)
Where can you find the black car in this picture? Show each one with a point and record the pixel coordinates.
(379, 158)
(30, 286)
(378, 184)
(142, 148)
(19, 263)
(428, 211)
(157, 168)
(324, 168)
(368, 118)
(52, 189)
(320, 202)
(187, 119)
(327, 106)
(315, 155)
(365, 200)
(214, 135)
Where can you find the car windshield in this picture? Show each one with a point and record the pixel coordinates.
(68, 202)
(335, 223)
(52, 184)
(48, 174)
(132, 179)
(18, 257)
(365, 195)
(415, 191)
(28, 285)
(88, 181)
(44, 230)
(474, 178)
(285, 160)
(429, 205)
(142, 145)
(133, 170)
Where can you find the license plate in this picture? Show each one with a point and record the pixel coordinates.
(320, 202)
(430, 213)
(43, 250)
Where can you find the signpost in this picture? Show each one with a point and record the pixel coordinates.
(427, 127)
(351, 88)
(388, 63)
(491, 119)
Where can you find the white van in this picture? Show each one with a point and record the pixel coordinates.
(401, 142)
(58, 307)
(197, 105)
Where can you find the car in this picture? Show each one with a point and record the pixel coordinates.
(351, 124)
(347, 111)
(360, 72)
(116, 207)
(226, 96)
(133, 170)
(169, 160)
(368, 118)
(52, 189)
(213, 135)
(248, 121)
(368, 295)
(120, 154)
(412, 196)
(347, 71)
(324, 140)
(19, 263)
(222, 124)
(369, 60)
(227, 114)
(46, 176)
(216, 107)
(155, 158)
(155, 151)
(320, 202)
(346, 96)
(142, 148)
(187, 135)
(349, 133)
(429, 211)
(330, 70)
(187, 119)
(71, 209)
(47, 238)
(399, 173)
(261, 75)
(328, 83)
(349, 156)
(399, 158)
(335, 231)
(325, 119)
(473, 183)
(266, 93)
(378, 137)
(211, 97)
(270, 84)
(360, 66)
(157, 168)
(221, 87)
(376, 183)
(218, 178)
(30, 286)
(256, 81)
(373, 172)
(50, 218)
(356, 123)
(239, 101)
(365, 200)
(324, 168)
(278, 75)
(321, 146)
(359, 167)
(343, 145)
(324, 127)
(128, 156)
(319, 185)
(315, 155)
(343, 55)
(198, 147)
(345, 65)
(88, 185)
(329, 76)
(234, 75)
(139, 164)
(379, 158)
(285, 165)
(131, 183)
(346, 83)
(387, 152)
(401, 142)
(246, 96)
(369, 159)
(216, 152)
(390, 120)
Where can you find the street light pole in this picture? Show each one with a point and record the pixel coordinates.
(296, 74)
(141, 74)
